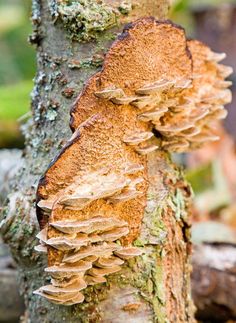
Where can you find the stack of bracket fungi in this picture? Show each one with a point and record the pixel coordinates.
(191, 123)
(82, 251)
(89, 254)
(182, 110)
(92, 198)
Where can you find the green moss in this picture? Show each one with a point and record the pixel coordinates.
(149, 280)
(87, 63)
(177, 204)
(149, 277)
(84, 20)
(158, 228)
(139, 242)
(159, 299)
(149, 274)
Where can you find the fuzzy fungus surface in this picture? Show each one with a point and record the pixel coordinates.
(156, 90)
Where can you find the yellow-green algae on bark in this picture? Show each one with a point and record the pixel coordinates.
(86, 19)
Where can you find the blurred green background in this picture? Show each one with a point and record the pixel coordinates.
(17, 60)
(17, 68)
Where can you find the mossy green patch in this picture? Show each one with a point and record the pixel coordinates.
(177, 204)
(84, 20)
(150, 281)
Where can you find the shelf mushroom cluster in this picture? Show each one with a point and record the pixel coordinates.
(150, 94)
(89, 247)
(183, 111)
(89, 254)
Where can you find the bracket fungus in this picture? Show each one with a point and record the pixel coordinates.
(156, 90)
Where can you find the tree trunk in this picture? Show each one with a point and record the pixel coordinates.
(156, 286)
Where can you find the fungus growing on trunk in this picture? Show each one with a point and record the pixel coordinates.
(150, 94)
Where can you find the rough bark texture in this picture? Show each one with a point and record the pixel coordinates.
(154, 288)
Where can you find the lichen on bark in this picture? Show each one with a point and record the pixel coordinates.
(85, 20)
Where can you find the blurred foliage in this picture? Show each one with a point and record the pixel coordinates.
(201, 178)
(15, 100)
(14, 103)
(10, 135)
(200, 3)
(179, 5)
(181, 11)
(208, 181)
(180, 14)
(17, 57)
(17, 68)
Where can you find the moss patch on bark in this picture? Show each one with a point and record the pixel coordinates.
(86, 19)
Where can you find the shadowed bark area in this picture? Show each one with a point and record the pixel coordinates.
(152, 288)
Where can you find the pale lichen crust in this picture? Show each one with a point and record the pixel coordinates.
(85, 20)
(156, 90)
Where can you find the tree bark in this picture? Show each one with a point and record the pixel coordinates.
(154, 288)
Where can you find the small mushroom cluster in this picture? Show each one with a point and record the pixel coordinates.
(89, 254)
(182, 111)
